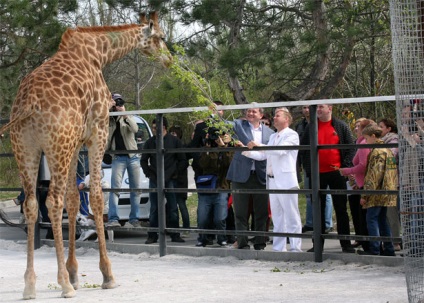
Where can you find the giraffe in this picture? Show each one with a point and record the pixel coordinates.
(60, 106)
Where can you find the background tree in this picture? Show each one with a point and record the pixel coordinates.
(30, 33)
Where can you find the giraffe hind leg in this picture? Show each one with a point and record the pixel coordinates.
(31, 213)
(54, 204)
(72, 207)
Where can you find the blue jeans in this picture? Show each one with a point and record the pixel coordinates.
(378, 226)
(328, 207)
(83, 199)
(171, 209)
(212, 206)
(119, 165)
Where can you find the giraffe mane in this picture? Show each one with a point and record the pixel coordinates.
(70, 32)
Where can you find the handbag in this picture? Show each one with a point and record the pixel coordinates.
(107, 158)
(206, 181)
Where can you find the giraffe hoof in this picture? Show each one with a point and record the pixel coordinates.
(29, 293)
(29, 297)
(69, 293)
(109, 284)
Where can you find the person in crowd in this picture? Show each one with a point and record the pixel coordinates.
(173, 163)
(246, 173)
(390, 136)
(82, 172)
(214, 205)
(331, 131)
(356, 175)
(281, 174)
(267, 120)
(181, 182)
(199, 135)
(381, 174)
(122, 130)
(88, 220)
(308, 226)
(198, 140)
(19, 201)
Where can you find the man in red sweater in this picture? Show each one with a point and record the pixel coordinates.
(332, 131)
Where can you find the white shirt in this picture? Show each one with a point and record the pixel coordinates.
(257, 136)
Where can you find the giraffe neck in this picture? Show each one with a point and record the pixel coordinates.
(104, 45)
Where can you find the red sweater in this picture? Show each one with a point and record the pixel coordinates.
(328, 158)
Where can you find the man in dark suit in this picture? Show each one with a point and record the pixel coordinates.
(246, 173)
(173, 163)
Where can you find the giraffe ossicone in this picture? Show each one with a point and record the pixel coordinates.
(61, 105)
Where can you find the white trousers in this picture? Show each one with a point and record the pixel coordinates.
(286, 219)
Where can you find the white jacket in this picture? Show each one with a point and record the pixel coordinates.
(283, 162)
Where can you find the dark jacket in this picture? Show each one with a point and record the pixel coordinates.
(240, 166)
(346, 137)
(173, 162)
(198, 141)
(216, 164)
(300, 129)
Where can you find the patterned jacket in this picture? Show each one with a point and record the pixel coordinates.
(381, 174)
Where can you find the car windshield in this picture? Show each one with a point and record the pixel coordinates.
(142, 135)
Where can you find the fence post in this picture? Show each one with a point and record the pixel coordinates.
(315, 196)
(160, 184)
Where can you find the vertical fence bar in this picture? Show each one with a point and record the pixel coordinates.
(160, 169)
(315, 197)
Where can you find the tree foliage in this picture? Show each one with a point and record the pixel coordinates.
(245, 50)
(30, 33)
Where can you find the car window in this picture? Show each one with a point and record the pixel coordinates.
(142, 135)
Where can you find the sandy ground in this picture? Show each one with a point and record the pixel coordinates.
(175, 278)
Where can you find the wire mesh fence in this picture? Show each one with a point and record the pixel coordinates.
(407, 22)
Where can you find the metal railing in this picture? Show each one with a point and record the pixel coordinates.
(314, 191)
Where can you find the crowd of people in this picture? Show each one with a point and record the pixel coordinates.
(254, 168)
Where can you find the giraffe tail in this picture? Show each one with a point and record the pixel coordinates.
(19, 117)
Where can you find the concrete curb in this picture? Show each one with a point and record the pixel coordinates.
(240, 254)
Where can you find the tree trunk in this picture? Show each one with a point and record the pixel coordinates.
(233, 43)
(312, 82)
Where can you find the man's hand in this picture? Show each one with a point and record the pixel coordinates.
(252, 144)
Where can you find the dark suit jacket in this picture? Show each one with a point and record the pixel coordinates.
(241, 166)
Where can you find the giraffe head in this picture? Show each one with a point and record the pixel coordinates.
(153, 43)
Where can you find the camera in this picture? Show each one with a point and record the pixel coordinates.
(213, 135)
(118, 102)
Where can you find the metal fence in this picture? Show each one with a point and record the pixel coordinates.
(407, 28)
(315, 191)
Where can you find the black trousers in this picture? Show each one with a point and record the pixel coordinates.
(359, 218)
(241, 211)
(335, 181)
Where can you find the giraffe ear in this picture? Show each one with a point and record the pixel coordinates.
(143, 19)
(154, 17)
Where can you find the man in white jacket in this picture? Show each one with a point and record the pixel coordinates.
(281, 174)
